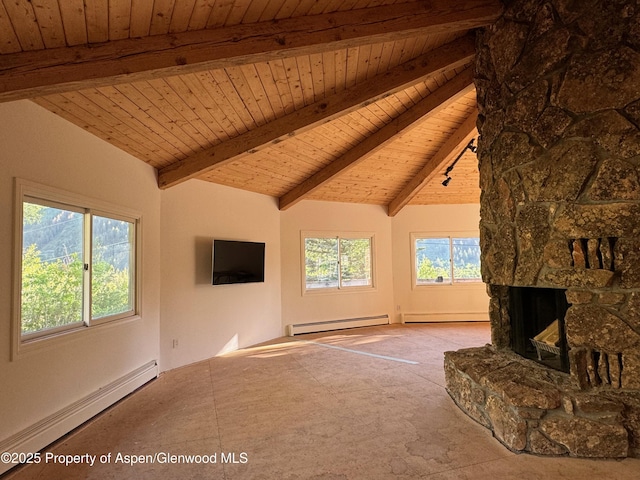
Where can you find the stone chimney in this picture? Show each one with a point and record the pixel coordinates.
(558, 86)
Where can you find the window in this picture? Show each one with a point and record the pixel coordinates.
(445, 260)
(336, 262)
(77, 263)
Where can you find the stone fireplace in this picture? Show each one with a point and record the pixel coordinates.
(558, 85)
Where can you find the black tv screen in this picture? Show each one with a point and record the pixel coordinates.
(237, 262)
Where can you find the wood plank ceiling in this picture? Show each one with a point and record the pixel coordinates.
(365, 101)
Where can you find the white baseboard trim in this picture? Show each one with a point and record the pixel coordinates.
(421, 317)
(295, 329)
(39, 435)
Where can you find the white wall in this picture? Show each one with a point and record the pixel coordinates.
(180, 223)
(331, 217)
(442, 302)
(38, 146)
(205, 319)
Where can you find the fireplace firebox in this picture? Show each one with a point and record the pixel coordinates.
(537, 325)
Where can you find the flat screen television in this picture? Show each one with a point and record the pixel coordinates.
(237, 262)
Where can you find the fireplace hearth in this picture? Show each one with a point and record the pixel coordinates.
(559, 157)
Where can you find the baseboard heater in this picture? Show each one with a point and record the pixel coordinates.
(444, 317)
(50, 429)
(296, 329)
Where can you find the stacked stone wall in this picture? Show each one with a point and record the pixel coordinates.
(558, 86)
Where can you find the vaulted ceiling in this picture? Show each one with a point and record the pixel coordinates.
(366, 101)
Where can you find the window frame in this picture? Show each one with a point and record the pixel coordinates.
(133, 276)
(339, 235)
(26, 191)
(439, 235)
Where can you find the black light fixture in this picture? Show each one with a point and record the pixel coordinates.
(470, 146)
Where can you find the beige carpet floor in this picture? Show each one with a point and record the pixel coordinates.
(366, 403)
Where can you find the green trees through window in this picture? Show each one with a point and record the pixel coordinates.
(337, 262)
(447, 260)
(76, 267)
(52, 267)
(433, 260)
(321, 262)
(111, 278)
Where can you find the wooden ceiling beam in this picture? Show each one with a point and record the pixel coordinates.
(56, 70)
(452, 55)
(430, 105)
(454, 144)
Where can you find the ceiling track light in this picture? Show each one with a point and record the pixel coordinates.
(470, 146)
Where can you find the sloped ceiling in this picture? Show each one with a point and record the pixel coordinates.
(365, 101)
